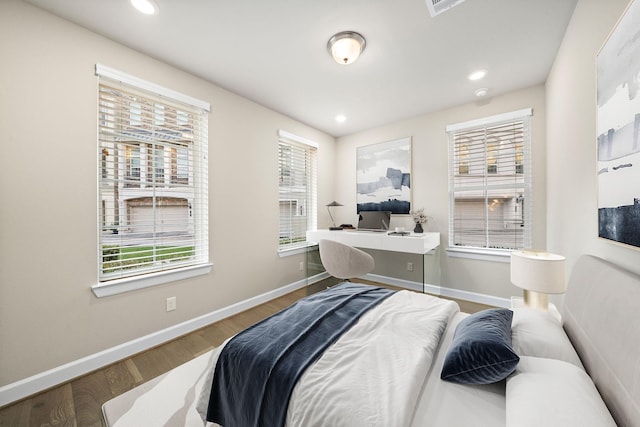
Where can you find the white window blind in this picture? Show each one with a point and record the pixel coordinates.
(490, 183)
(153, 195)
(297, 189)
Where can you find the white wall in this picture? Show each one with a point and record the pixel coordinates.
(48, 200)
(572, 216)
(429, 182)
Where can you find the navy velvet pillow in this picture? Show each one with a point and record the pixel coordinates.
(481, 351)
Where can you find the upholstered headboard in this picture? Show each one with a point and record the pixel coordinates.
(601, 315)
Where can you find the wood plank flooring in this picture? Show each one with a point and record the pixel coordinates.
(79, 402)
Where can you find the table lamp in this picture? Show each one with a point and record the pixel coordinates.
(329, 206)
(539, 273)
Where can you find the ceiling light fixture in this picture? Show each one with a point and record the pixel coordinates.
(341, 118)
(346, 46)
(483, 91)
(148, 7)
(477, 75)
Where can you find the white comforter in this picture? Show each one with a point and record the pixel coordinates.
(373, 374)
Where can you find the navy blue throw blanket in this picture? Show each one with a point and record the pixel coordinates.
(258, 368)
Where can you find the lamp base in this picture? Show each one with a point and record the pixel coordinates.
(536, 300)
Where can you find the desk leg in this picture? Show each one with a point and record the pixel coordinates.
(316, 274)
(431, 269)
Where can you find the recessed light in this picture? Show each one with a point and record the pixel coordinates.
(148, 7)
(477, 75)
(481, 92)
(341, 118)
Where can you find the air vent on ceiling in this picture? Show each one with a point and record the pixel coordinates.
(436, 7)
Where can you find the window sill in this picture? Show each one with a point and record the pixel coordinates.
(119, 286)
(303, 248)
(494, 255)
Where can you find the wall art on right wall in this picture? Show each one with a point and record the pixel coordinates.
(618, 124)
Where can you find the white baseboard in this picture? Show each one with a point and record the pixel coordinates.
(61, 374)
(401, 283)
(475, 297)
(318, 277)
(442, 291)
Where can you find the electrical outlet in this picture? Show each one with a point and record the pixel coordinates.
(171, 303)
(301, 266)
(409, 266)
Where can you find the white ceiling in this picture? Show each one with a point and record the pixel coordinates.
(274, 51)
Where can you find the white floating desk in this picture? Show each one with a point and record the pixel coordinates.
(423, 245)
(413, 243)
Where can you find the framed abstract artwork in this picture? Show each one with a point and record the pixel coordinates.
(383, 176)
(618, 124)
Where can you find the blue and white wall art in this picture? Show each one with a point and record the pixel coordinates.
(619, 131)
(383, 176)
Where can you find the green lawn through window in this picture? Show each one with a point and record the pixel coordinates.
(117, 258)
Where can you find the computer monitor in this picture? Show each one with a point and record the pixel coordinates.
(374, 220)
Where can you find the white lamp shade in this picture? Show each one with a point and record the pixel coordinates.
(538, 271)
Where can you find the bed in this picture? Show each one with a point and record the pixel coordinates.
(388, 367)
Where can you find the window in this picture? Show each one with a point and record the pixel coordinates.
(490, 182)
(297, 188)
(150, 223)
(132, 154)
(156, 164)
(463, 159)
(180, 165)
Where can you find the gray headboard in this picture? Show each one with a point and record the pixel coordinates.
(601, 315)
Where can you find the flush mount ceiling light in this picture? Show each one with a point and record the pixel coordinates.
(346, 46)
(148, 7)
(483, 91)
(341, 118)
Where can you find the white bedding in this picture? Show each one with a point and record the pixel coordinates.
(389, 351)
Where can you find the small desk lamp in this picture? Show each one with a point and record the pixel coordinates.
(539, 273)
(329, 206)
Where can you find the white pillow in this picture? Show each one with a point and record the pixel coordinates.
(539, 334)
(547, 392)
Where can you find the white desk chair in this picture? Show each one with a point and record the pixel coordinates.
(343, 261)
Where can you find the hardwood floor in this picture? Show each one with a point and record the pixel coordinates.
(79, 402)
